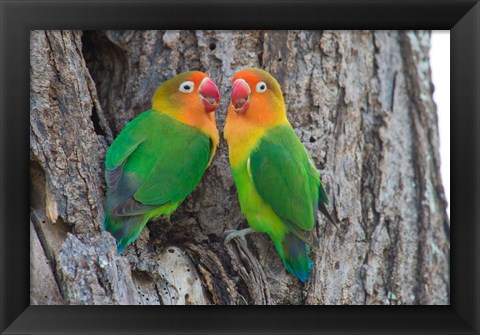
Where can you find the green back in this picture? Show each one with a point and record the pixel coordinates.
(155, 160)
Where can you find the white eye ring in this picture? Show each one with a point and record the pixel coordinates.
(261, 87)
(186, 87)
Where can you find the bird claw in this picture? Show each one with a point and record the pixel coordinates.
(230, 234)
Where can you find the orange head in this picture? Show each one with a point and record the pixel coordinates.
(189, 90)
(256, 98)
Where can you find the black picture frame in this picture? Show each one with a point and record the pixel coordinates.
(18, 17)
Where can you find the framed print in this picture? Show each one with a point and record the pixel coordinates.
(224, 153)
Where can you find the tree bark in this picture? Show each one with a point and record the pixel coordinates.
(360, 101)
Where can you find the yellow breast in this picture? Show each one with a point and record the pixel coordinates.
(241, 137)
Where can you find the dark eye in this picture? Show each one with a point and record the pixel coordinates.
(186, 87)
(261, 87)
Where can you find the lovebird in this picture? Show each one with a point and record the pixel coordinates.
(161, 155)
(279, 187)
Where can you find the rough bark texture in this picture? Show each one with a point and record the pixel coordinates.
(360, 101)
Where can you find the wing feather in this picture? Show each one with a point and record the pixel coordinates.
(156, 160)
(280, 169)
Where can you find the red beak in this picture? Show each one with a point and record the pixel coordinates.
(240, 96)
(210, 94)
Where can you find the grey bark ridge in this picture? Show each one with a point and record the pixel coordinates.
(360, 101)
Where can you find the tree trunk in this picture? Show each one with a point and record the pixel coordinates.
(360, 101)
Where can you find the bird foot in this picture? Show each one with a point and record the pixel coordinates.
(232, 233)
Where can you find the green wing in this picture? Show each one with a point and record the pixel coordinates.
(286, 178)
(179, 171)
(155, 160)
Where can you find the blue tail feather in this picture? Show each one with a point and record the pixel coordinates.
(125, 229)
(296, 257)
